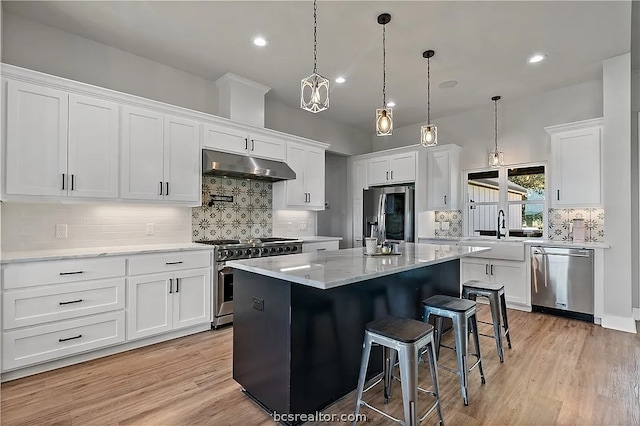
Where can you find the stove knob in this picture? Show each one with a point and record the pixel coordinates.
(248, 252)
(280, 249)
(294, 248)
(265, 251)
(273, 250)
(256, 252)
(287, 249)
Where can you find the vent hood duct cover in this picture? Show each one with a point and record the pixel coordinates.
(224, 164)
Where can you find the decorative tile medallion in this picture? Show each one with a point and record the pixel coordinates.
(454, 217)
(560, 224)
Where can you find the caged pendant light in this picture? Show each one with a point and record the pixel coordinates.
(314, 90)
(384, 115)
(496, 157)
(428, 132)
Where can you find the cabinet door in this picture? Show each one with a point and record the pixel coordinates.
(439, 180)
(149, 305)
(37, 120)
(93, 147)
(225, 139)
(577, 168)
(474, 269)
(402, 167)
(357, 222)
(513, 276)
(314, 178)
(296, 188)
(142, 154)
(266, 147)
(191, 298)
(378, 171)
(359, 178)
(182, 159)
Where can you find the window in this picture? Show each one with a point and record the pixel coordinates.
(518, 191)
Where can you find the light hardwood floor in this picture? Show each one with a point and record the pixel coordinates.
(559, 372)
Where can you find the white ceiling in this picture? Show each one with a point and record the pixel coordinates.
(483, 45)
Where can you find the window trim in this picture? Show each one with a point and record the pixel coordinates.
(503, 201)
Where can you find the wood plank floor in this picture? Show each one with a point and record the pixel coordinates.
(559, 372)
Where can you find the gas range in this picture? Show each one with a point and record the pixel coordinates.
(256, 247)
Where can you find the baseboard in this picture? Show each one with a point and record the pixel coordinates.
(636, 314)
(99, 353)
(615, 322)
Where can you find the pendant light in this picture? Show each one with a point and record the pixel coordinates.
(496, 157)
(384, 115)
(314, 90)
(428, 132)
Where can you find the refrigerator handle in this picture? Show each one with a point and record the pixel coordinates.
(382, 228)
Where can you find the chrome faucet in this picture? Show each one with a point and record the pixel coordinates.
(501, 213)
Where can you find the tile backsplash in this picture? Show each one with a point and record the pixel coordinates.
(31, 226)
(249, 215)
(560, 223)
(454, 218)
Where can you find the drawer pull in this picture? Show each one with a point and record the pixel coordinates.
(70, 302)
(72, 273)
(173, 263)
(70, 338)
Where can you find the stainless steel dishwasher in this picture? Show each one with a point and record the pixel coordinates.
(562, 281)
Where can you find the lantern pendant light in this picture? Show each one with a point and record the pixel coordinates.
(314, 90)
(428, 132)
(384, 115)
(496, 157)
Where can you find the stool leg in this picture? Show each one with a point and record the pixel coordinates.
(461, 336)
(364, 363)
(408, 356)
(433, 369)
(439, 331)
(389, 365)
(505, 322)
(474, 328)
(494, 305)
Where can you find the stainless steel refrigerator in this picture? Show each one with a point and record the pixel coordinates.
(389, 213)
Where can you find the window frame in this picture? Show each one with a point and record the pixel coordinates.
(503, 201)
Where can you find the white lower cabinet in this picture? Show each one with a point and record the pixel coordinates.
(159, 303)
(511, 274)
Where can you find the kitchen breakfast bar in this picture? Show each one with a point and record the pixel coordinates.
(299, 320)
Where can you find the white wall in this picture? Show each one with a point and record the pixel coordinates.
(617, 193)
(334, 221)
(32, 226)
(521, 125)
(32, 45)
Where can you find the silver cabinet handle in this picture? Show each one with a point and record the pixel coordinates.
(170, 285)
(63, 179)
(166, 192)
(70, 338)
(160, 187)
(69, 302)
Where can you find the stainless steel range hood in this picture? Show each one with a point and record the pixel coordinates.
(225, 164)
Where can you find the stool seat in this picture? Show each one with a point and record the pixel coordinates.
(449, 303)
(483, 285)
(404, 330)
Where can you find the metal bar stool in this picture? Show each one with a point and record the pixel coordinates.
(497, 303)
(463, 314)
(407, 337)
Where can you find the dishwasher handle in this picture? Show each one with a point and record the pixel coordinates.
(581, 253)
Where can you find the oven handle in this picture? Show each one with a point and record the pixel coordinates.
(225, 270)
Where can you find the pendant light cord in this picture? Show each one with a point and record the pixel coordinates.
(495, 104)
(428, 91)
(315, 37)
(384, 68)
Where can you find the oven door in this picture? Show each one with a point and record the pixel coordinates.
(224, 291)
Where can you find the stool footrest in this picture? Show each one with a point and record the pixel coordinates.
(377, 410)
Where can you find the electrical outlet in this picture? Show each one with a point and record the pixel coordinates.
(258, 304)
(61, 230)
(444, 226)
(151, 229)
(302, 226)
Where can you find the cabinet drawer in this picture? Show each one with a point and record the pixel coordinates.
(46, 342)
(325, 245)
(59, 302)
(32, 274)
(156, 263)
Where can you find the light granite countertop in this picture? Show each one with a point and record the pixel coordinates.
(61, 254)
(329, 269)
(530, 241)
(319, 239)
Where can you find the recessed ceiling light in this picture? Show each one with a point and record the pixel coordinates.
(391, 104)
(538, 57)
(448, 84)
(340, 80)
(260, 41)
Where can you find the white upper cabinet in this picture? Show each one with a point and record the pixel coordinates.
(390, 169)
(37, 128)
(306, 191)
(576, 162)
(443, 177)
(60, 144)
(93, 147)
(236, 140)
(160, 156)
